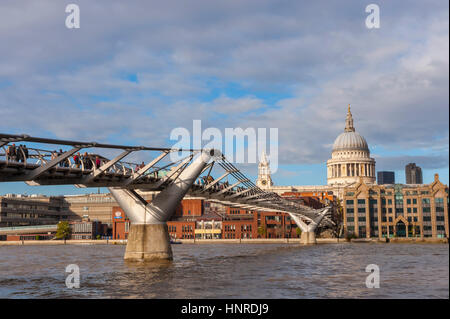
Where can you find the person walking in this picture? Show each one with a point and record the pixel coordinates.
(11, 153)
(87, 163)
(20, 157)
(77, 160)
(25, 151)
(61, 164)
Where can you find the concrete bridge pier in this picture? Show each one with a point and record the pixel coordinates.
(308, 236)
(148, 238)
(148, 242)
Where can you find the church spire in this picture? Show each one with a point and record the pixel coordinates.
(349, 121)
(264, 158)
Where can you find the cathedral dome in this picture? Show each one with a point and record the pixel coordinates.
(350, 159)
(350, 141)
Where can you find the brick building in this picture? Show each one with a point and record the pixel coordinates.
(199, 219)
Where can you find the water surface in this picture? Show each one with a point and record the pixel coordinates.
(229, 271)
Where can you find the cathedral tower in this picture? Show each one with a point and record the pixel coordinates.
(264, 180)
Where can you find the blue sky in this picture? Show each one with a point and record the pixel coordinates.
(136, 70)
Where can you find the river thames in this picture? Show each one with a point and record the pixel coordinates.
(229, 271)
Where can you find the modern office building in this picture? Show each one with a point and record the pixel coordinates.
(24, 210)
(384, 177)
(413, 174)
(88, 229)
(399, 210)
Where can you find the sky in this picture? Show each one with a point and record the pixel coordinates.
(135, 70)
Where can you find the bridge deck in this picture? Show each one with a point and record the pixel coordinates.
(46, 167)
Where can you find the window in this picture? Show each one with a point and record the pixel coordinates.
(414, 200)
(349, 202)
(389, 201)
(408, 201)
(361, 201)
(425, 200)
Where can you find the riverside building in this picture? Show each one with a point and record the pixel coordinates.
(24, 210)
(396, 210)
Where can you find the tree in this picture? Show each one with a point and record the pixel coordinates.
(298, 231)
(337, 216)
(350, 235)
(63, 230)
(262, 231)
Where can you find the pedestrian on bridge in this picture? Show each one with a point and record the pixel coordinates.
(11, 153)
(88, 164)
(25, 151)
(77, 160)
(97, 162)
(20, 155)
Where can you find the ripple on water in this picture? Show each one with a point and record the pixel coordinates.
(228, 271)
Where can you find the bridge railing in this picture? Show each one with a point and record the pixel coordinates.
(225, 183)
(24, 155)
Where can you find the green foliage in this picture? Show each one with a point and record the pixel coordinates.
(350, 236)
(298, 231)
(262, 231)
(63, 230)
(98, 237)
(37, 237)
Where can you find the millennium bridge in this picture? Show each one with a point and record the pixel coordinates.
(35, 161)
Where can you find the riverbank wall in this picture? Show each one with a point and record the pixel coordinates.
(229, 241)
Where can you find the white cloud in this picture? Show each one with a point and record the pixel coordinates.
(319, 56)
